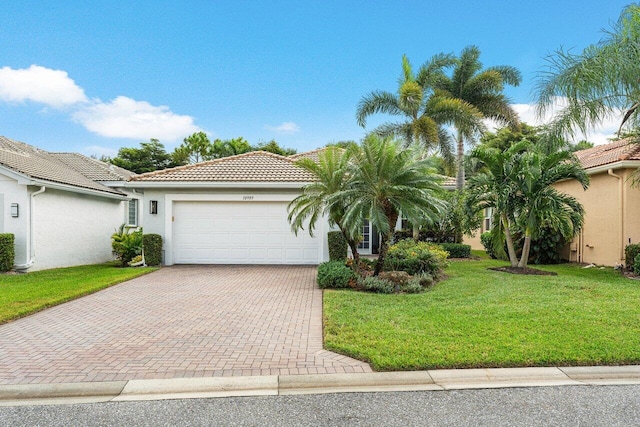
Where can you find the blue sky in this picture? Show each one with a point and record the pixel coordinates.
(93, 77)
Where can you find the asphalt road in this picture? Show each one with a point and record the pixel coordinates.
(546, 406)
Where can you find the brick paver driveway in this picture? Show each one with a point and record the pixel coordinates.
(182, 321)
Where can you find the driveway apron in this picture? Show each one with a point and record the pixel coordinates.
(178, 322)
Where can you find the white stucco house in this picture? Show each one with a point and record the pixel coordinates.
(230, 211)
(61, 207)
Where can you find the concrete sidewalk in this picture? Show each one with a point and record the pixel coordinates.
(433, 380)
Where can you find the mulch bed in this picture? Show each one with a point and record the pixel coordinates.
(524, 270)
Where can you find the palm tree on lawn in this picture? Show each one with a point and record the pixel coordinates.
(386, 180)
(422, 109)
(482, 90)
(322, 197)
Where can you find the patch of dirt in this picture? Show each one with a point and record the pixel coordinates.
(524, 270)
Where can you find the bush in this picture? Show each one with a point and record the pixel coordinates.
(152, 244)
(630, 254)
(457, 250)
(334, 275)
(486, 239)
(546, 248)
(636, 265)
(126, 244)
(413, 286)
(396, 277)
(416, 257)
(337, 246)
(7, 251)
(425, 280)
(377, 285)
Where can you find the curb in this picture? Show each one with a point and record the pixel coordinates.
(432, 380)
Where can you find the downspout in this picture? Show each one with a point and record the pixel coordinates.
(31, 253)
(621, 207)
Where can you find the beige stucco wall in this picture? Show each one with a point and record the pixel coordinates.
(473, 241)
(611, 218)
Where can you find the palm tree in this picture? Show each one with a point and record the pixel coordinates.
(539, 205)
(323, 197)
(597, 84)
(423, 110)
(482, 90)
(494, 187)
(386, 180)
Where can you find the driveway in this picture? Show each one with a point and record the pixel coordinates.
(178, 322)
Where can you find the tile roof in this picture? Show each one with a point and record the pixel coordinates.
(616, 151)
(93, 169)
(313, 155)
(40, 164)
(255, 166)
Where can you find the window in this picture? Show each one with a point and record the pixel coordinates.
(488, 219)
(132, 218)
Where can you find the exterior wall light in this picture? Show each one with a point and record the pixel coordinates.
(153, 207)
(15, 210)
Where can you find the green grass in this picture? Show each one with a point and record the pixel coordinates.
(483, 318)
(23, 294)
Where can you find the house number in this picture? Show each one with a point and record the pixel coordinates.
(247, 197)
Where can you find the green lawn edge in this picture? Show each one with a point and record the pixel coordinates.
(479, 318)
(24, 294)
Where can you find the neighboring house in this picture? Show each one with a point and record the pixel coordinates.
(231, 210)
(612, 204)
(61, 207)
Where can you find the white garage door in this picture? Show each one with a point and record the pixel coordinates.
(238, 233)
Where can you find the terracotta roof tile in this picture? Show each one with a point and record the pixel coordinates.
(255, 166)
(40, 164)
(613, 152)
(313, 155)
(92, 168)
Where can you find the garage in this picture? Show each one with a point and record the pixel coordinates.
(227, 232)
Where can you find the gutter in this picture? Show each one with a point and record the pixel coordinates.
(31, 253)
(621, 207)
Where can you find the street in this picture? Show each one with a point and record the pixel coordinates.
(538, 406)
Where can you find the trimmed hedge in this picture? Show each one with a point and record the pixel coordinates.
(630, 254)
(7, 251)
(636, 265)
(487, 241)
(334, 275)
(337, 246)
(152, 244)
(457, 250)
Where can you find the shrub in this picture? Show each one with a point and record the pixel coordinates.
(413, 286)
(425, 280)
(636, 265)
(457, 250)
(416, 257)
(395, 277)
(337, 246)
(152, 244)
(377, 285)
(546, 248)
(126, 244)
(630, 254)
(334, 275)
(7, 251)
(486, 239)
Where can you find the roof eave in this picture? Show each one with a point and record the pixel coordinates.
(216, 184)
(622, 164)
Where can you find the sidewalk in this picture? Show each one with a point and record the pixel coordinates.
(271, 385)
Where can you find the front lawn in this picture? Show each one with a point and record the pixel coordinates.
(23, 294)
(482, 318)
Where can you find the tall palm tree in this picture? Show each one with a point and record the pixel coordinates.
(539, 205)
(482, 90)
(386, 180)
(422, 109)
(597, 84)
(323, 197)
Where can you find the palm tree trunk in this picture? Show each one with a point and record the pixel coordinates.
(384, 244)
(525, 250)
(460, 163)
(354, 248)
(416, 232)
(513, 258)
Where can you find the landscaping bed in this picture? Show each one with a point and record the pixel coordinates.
(483, 318)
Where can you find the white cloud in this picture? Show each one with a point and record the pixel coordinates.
(124, 117)
(39, 84)
(598, 136)
(286, 128)
(98, 151)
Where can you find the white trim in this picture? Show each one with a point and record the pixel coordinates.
(187, 185)
(624, 164)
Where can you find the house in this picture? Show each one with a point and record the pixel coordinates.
(231, 210)
(612, 204)
(61, 207)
